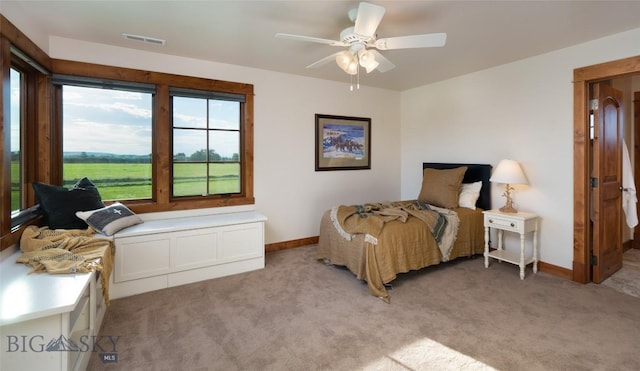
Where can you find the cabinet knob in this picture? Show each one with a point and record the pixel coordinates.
(513, 224)
(490, 220)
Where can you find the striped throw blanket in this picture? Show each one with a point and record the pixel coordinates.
(60, 251)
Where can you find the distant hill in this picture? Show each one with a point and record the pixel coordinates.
(104, 157)
(98, 154)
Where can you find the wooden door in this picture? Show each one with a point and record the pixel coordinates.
(607, 183)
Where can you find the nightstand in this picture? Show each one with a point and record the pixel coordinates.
(521, 223)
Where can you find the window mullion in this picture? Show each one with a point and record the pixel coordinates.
(208, 164)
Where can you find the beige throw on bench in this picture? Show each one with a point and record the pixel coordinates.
(62, 251)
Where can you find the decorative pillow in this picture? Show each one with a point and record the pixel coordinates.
(59, 204)
(108, 220)
(442, 187)
(469, 194)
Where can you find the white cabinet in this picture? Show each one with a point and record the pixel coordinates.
(170, 252)
(47, 322)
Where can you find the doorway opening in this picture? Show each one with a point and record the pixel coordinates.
(582, 232)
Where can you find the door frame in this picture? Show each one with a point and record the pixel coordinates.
(635, 243)
(581, 156)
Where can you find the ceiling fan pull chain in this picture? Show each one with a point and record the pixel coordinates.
(357, 58)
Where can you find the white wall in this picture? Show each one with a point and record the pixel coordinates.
(287, 188)
(523, 111)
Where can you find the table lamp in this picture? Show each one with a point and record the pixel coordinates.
(508, 172)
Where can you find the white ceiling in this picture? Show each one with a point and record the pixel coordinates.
(480, 34)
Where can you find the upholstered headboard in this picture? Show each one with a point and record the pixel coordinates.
(474, 173)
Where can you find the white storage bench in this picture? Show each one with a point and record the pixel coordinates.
(169, 252)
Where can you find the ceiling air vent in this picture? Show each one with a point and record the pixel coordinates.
(146, 39)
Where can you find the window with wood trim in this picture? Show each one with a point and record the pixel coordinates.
(21, 107)
(16, 118)
(206, 143)
(40, 157)
(200, 130)
(107, 136)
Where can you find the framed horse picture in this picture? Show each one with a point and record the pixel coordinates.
(343, 143)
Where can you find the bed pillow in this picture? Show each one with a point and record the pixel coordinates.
(110, 219)
(59, 204)
(441, 187)
(469, 193)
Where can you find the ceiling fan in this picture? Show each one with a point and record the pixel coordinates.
(361, 42)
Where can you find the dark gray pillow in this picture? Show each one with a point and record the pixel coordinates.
(59, 204)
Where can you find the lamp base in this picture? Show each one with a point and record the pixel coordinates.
(508, 206)
(508, 209)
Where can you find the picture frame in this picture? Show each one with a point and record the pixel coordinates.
(342, 143)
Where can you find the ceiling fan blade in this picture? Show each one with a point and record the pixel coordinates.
(368, 19)
(413, 41)
(324, 60)
(384, 64)
(310, 38)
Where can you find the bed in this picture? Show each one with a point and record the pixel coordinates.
(377, 241)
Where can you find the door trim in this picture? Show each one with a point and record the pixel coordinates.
(581, 156)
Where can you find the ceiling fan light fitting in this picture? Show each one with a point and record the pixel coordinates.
(372, 66)
(366, 57)
(343, 59)
(352, 68)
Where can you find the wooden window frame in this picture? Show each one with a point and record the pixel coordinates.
(207, 130)
(44, 128)
(162, 128)
(34, 63)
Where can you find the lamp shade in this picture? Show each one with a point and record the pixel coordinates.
(509, 172)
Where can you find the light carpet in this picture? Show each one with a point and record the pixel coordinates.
(298, 314)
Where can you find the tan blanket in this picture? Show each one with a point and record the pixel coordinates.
(402, 247)
(369, 219)
(60, 251)
(392, 222)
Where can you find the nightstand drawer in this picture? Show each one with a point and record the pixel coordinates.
(506, 224)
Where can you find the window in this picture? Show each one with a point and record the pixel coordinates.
(23, 81)
(160, 142)
(22, 114)
(206, 143)
(17, 162)
(107, 138)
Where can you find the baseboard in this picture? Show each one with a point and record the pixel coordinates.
(556, 270)
(291, 244)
